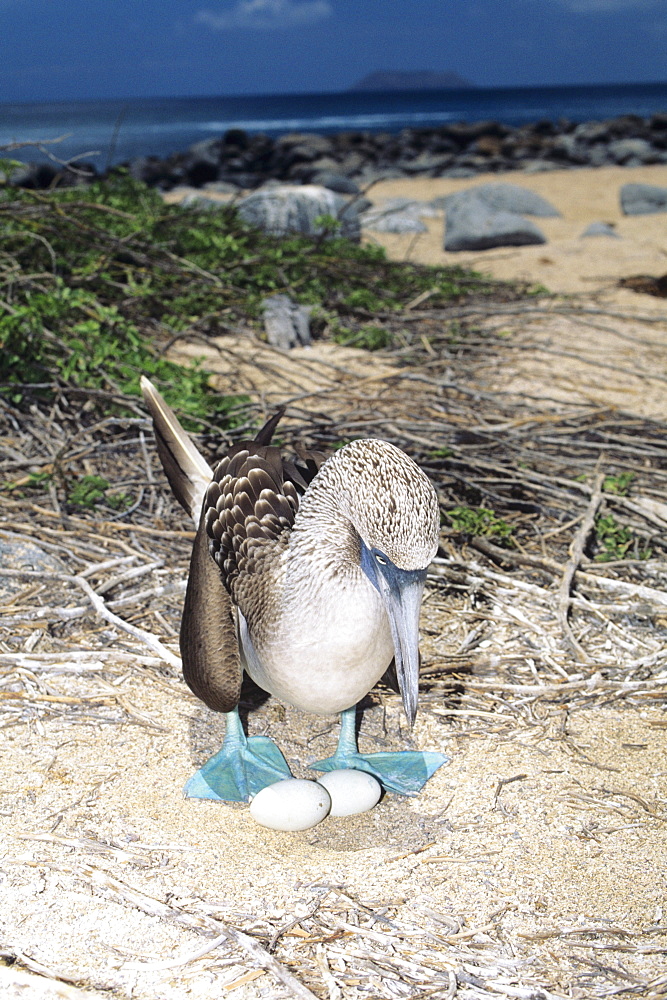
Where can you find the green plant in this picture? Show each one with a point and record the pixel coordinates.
(441, 453)
(480, 521)
(34, 480)
(620, 484)
(363, 298)
(328, 224)
(7, 168)
(369, 337)
(91, 490)
(617, 542)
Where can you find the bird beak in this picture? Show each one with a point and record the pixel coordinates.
(402, 591)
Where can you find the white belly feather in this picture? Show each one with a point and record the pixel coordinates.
(324, 656)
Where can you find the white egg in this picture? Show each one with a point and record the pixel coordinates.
(351, 791)
(292, 804)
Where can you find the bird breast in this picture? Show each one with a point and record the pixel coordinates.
(328, 644)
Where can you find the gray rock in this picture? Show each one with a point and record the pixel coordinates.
(392, 222)
(399, 215)
(538, 166)
(505, 198)
(17, 554)
(471, 224)
(206, 151)
(598, 155)
(287, 209)
(427, 163)
(625, 151)
(459, 173)
(287, 325)
(568, 147)
(335, 182)
(600, 229)
(643, 199)
(592, 132)
(314, 144)
(241, 180)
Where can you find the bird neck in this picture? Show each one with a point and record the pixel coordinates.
(323, 534)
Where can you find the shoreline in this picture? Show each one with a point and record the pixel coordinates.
(350, 161)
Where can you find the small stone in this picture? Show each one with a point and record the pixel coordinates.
(600, 229)
(351, 791)
(292, 804)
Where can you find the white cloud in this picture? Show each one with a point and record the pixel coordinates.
(266, 14)
(607, 6)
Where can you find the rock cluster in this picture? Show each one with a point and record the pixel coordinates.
(349, 160)
(476, 218)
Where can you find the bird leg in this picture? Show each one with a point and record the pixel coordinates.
(241, 768)
(404, 772)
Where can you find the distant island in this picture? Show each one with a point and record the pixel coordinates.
(421, 80)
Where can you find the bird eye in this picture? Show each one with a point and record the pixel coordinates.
(381, 559)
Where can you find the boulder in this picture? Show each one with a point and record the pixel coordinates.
(287, 209)
(471, 224)
(34, 175)
(504, 198)
(384, 221)
(206, 151)
(643, 199)
(600, 229)
(631, 151)
(429, 164)
(531, 166)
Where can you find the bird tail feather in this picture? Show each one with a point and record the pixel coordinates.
(187, 470)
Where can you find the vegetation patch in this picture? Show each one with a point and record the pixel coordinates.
(614, 541)
(478, 521)
(95, 281)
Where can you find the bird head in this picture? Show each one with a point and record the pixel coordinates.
(394, 509)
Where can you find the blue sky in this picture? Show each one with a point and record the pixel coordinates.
(91, 49)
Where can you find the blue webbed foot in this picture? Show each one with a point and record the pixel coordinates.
(404, 772)
(240, 769)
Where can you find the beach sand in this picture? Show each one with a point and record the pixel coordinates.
(566, 263)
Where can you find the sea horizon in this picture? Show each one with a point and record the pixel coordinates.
(116, 130)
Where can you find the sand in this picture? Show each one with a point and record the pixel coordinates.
(530, 863)
(566, 263)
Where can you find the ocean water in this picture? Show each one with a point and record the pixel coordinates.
(113, 131)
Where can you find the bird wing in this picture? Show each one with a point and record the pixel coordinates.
(250, 499)
(250, 507)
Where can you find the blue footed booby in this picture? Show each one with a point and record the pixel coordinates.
(310, 577)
